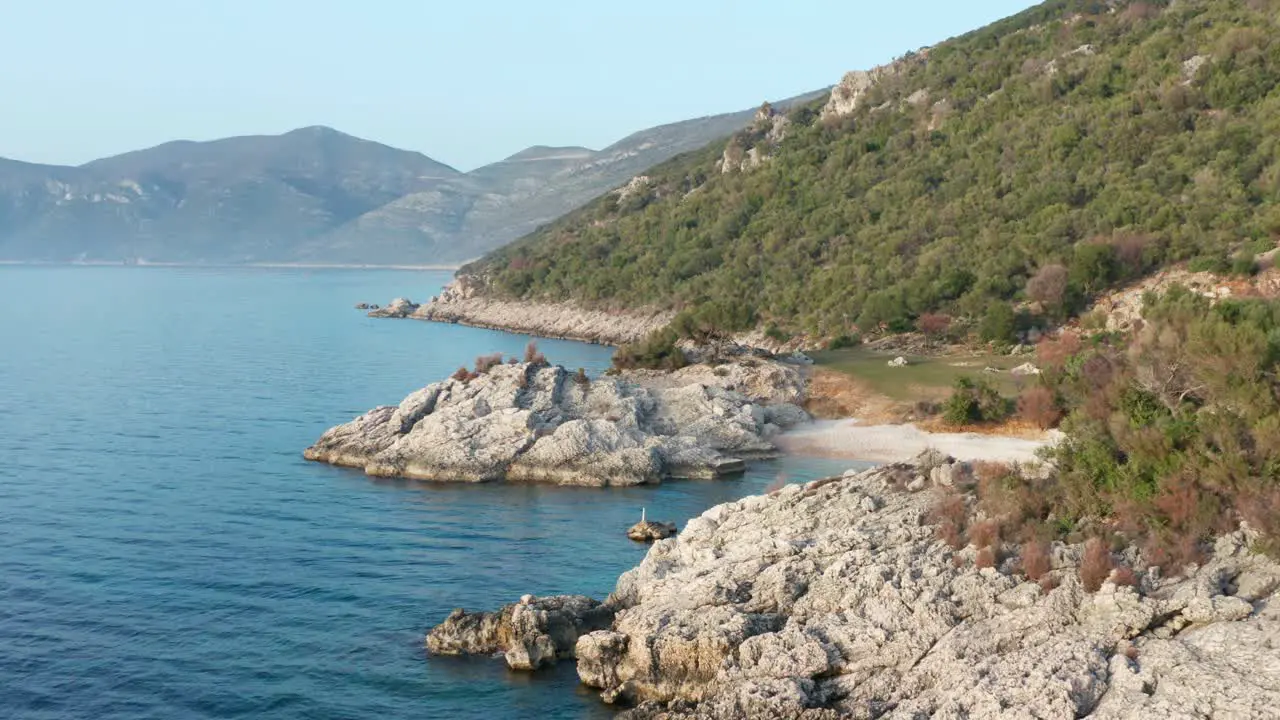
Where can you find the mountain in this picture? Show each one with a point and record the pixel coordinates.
(1030, 164)
(245, 198)
(310, 195)
(493, 205)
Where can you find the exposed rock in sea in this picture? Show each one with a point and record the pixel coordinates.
(398, 308)
(531, 634)
(648, 531)
(836, 599)
(535, 422)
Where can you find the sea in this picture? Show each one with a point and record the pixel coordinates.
(165, 551)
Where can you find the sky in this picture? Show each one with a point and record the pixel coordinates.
(467, 82)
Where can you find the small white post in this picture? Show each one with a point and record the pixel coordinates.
(641, 516)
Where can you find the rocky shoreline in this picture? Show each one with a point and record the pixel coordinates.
(535, 422)
(461, 303)
(838, 599)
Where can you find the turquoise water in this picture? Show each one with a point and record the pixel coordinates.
(165, 552)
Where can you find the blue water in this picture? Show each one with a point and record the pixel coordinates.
(165, 552)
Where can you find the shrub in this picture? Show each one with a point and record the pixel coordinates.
(1037, 405)
(580, 378)
(1049, 287)
(973, 401)
(999, 325)
(986, 558)
(1096, 565)
(840, 342)
(985, 534)
(485, 363)
(1125, 576)
(461, 374)
(659, 351)
(532, 355)
(1035, 560)
(949, 514)
(933, 325)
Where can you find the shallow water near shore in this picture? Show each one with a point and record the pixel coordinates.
(165, 551)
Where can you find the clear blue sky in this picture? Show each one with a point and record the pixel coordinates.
(465, 81)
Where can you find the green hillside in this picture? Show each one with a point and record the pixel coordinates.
(1099, 140)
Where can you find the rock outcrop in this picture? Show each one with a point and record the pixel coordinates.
(535, 422)
(530, 634)
(649, 531)
(398, 308)
(463, 302)
(836, 599)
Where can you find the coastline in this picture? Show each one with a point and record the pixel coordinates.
(459, 303)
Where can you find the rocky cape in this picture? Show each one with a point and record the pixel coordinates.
(836, 599)
(534, 422)
(462, 302)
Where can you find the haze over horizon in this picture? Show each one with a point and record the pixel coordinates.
(465, 84)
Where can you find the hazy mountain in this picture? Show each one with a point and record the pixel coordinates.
(311, 195)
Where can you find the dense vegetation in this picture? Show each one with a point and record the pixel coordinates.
(1172, 435)
(1057, 153)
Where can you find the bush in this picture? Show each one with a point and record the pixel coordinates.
(1037, 405)
(462, 375)
(1096, 565)
(972, 402)
(532, 355)
(1035, 560)
(986, 558)
(659, 351)
(580, 378)
(840, 342)
(485, 363)
(999, 325)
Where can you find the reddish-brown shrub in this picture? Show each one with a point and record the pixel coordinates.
(581, 378)
(1038, 405)
(984, 534)
(1172, 553)
(1096, 565)
(461, 374)
(1035, 560)
(949, 514)
(1053, 353)
(1048, 583)
(986, 558)
(485, 363)
(933, 324)
(1124, 575)
(532, 355)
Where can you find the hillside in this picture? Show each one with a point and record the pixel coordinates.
(311, 195)
(1078, 143)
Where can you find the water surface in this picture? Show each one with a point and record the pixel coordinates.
(165, 552)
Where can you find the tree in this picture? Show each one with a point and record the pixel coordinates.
(1049, 288)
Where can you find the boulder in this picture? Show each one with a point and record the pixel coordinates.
(898, 362)
(1025, 369)
(530, 634)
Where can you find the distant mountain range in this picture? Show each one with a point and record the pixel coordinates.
(313, 195)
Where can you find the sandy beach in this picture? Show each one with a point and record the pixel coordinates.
(854, 440)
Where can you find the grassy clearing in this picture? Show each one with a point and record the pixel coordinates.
(924, 378)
